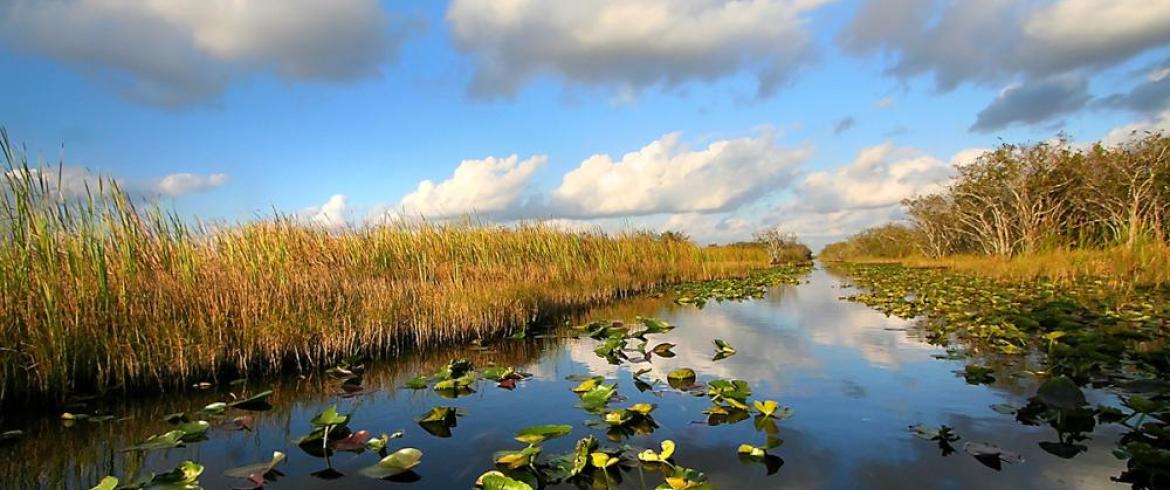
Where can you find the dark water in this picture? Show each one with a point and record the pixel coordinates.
(855, 379)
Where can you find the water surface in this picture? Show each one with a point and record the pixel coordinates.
(855, 378)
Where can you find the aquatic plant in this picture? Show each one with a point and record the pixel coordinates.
(104, 290)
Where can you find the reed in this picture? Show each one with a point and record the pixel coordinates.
(102, 291)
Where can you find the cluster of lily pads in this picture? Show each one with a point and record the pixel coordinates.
(753, 286)
(187, 428)
(1087, 330)
(1086, 333)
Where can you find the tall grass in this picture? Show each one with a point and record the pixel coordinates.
(101, 291)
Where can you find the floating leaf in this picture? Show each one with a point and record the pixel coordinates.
(642, 408)
(495, 480)
(401, 461)
(1061, 393)
(107, 483)
(540, 433)
(663, 349)
(991, 455)
(598, 397)
(588, 384)
(353, 442)
(215, 408)
(723, 347)
(260, 469)
(255, 402)
(193, 431)
(417, 383)
(602, 460)
(750, 450)
(183, 477)
(517, 459)
(168, 440)
(650, 456)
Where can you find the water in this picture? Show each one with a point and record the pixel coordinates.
(855, 378)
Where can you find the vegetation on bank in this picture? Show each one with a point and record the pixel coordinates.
(1043, 260)
(101, 290)
(1048, 209)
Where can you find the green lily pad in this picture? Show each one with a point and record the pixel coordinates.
(107, 483)
(400, 461)
(540, 433)
(183, 477)
(496, 480)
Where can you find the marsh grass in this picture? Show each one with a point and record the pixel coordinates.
(101, 290)
(1123, 268)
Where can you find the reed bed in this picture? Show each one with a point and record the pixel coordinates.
(103, 291)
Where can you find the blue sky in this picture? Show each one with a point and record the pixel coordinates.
(812, 115)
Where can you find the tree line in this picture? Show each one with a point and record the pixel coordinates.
(1024, 199)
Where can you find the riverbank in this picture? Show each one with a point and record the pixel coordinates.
(105, 292)
(1144, 265)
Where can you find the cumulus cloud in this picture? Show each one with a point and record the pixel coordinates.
(996, 40)
(667, 176)
(832, 204)
(1123, 134)
(628, 45)
(186, 183)
(178, 52)
(498, 188)
(1033, 102)
(331, 215)
(880, 176)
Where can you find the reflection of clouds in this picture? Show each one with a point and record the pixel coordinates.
(835, 322)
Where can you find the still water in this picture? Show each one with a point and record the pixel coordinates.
(854, 378)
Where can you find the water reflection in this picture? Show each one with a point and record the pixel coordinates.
(856, 379)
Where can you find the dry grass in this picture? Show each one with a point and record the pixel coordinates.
(1147, 264)
(96, 292)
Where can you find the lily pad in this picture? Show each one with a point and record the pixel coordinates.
(1061, 393)
(107, 483)
(259, 469)
(496, 480)
(399, 462)
(257, 402)
(650, 456)
(540, 433)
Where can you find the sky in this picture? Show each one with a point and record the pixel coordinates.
(715, 118)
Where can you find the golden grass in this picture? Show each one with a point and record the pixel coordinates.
(1147, 264)
(97, 293)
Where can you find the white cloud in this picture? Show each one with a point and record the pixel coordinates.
(331, 215)
(666, 176)
(186, 183)
(491, 188)
(1122, 134)
(832, 204)
(880, 176)
(178, 52)
(628, 45)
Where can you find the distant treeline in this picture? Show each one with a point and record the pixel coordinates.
(1019, 200)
